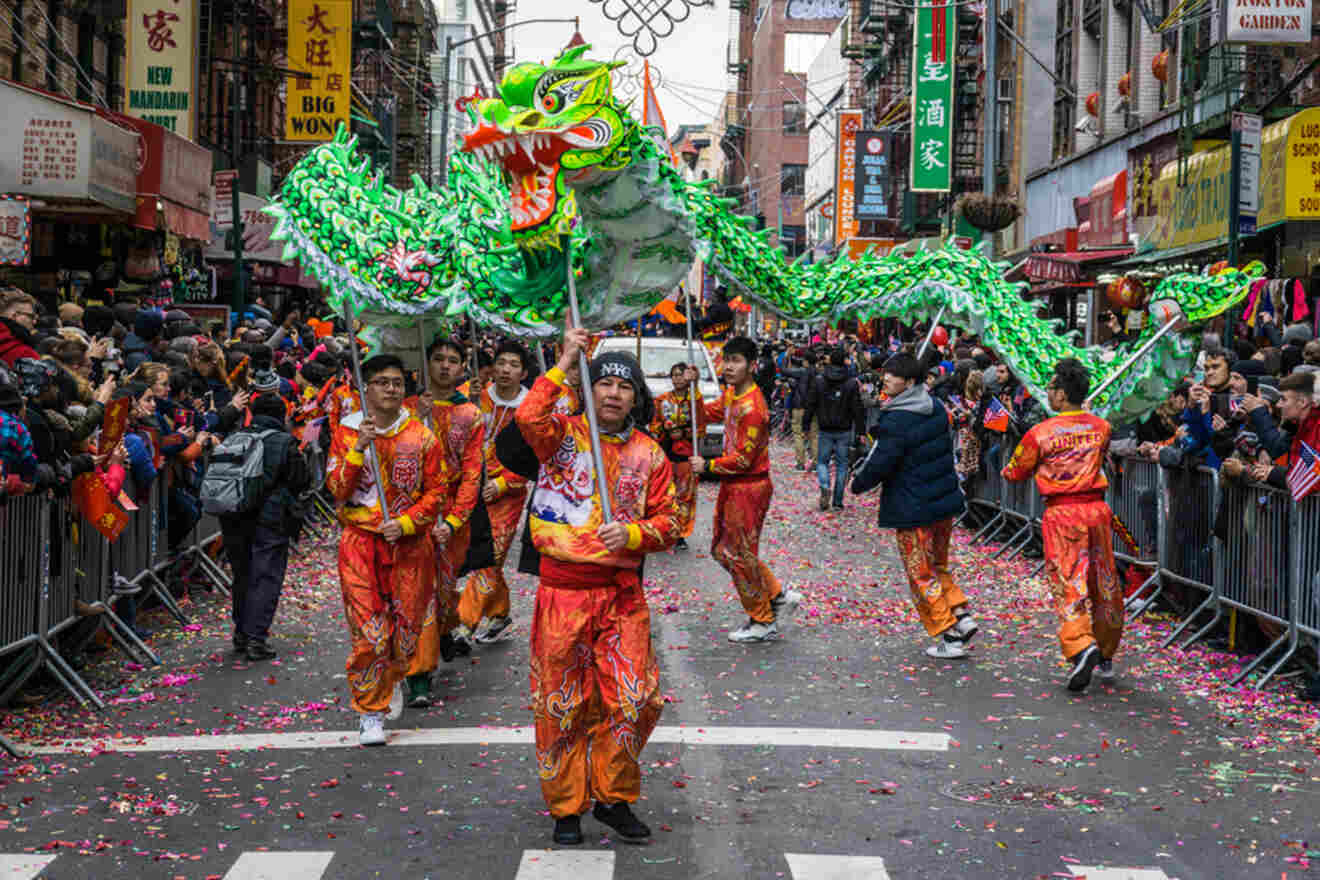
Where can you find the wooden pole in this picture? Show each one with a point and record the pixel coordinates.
(372, 461)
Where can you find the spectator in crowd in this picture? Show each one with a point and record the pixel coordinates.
(18, 459)
(804, 435)
(140, 345)
(18, 320)
(1207, 436)
(966, 408)
(834, 403)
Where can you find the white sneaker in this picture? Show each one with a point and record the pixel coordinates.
(948, 649)
(966, 627)
(755, 632)
(1105, 671)
(494, 627)
(479, 631)
(371, 729)
(462, 636)
(396, 701)
(786, 603)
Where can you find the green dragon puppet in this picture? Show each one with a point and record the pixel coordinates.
(557, 158)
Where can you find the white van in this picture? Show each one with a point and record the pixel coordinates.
(661, 353)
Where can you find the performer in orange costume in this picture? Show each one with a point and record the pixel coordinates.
(456, 423)
(745, 492)
(673, 428)
(591, 631)
(484, 608)
(1066, 454)
(386, 560)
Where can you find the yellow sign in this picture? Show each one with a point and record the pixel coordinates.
(162, 36)
(1289, 185)
(320, 44)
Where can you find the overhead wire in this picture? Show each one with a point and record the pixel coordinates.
(13, 32)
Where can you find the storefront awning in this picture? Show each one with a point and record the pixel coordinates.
(173, 181)
(63, 156)
(1066, 266)
(1168, 255)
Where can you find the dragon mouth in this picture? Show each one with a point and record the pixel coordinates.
(531, 165)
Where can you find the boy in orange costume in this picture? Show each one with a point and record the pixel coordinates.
(456, 423)
(483, 610)
(673, 428)
(1066, 454)
(591, 631)
(745, 492)
(386, 560)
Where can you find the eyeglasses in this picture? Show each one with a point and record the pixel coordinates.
(387, 383)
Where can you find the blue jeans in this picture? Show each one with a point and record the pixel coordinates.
(833, 444)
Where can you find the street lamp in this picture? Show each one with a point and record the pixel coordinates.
(450, 45)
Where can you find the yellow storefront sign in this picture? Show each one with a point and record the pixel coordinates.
(1197, 211)
(162, 37)
(320, 44)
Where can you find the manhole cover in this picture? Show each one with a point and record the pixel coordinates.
(1010, 793)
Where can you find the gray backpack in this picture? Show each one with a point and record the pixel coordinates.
(235, 481)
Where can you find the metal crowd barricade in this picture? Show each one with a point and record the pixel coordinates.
(208, 525)
(1305, 563)
(1257, 571)
(20, 579)
(1185, 504)
(989, 493)
(1020, 503)
(1133, 496)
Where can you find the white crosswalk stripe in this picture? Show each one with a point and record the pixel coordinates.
(1080, 871)
(565, 864)
(23, 866)
(280, 866)
(815, 867)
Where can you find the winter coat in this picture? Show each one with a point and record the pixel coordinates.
(835, 402)
(913, 458)
(285, 473)
(15, 343)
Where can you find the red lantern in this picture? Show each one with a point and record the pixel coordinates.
(1126, 293)
(1125, 85)
(940, 337)
(1093, 104)
(1159, 65)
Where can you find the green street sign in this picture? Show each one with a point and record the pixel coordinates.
(934, 44)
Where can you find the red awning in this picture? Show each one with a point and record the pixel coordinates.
(1066, 266)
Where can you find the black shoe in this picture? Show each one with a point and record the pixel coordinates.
(1084, 664)
(824, 500)
(258, 650)
(838, 505)
(419, 691)
(240, 642)
(680, 544)
(620, 817)
(568, 831)
(448, 648)
(1310, 693)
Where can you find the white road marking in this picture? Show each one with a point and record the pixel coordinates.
(280, 866)
(814, 737)
(23, 866)
(1080, 871)
(814, 867)
(566, 864)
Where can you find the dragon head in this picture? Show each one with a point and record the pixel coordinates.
(551, 128)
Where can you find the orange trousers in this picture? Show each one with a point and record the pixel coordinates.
(925, 554)
(685, 496)
(389, 593)
(595, 684)
(448, 560)
(739, 514)
(487, 593)
(1079, 562)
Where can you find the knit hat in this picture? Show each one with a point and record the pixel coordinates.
(1297, 334)
(619, 364)
(147, 323)
(97, 320)
(1251, 371)
(265, 381)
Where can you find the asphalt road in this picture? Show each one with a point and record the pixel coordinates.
(819, 752)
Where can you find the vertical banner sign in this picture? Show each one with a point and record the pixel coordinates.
(15, 231)
(932, 96)
(161, 52)
(872, 199)
(1248, 128)
(320, 44)
(845, 176)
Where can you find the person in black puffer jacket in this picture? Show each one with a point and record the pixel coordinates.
(258, 547)
(913, 458)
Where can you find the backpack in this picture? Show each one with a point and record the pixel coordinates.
(235, 478)
(832, 412)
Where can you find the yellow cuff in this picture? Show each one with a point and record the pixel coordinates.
(501, 484)
(556, 375)
(409, 527)
(354, 457)
(454, 523)
(634, 536)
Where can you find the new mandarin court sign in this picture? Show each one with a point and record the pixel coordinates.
(321, 45)
(162, 36)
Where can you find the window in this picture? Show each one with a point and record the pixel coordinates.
(86, 55)
(792, 180)
(794, 117)
(52, 46)
(1063, 72)
(794, 240)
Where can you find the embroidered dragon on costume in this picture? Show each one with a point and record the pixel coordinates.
(557, 155)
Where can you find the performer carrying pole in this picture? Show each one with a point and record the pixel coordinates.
(676, 413)
(1066, 454)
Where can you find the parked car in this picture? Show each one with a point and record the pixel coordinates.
(661, 353)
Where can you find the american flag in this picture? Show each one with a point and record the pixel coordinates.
(1304, 475)
(996, 416)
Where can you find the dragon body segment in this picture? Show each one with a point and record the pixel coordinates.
(556, 155)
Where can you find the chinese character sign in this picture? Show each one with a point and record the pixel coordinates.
(15, 226)
(160, 61)
(845, 176)
(932, 96)
(321, 45)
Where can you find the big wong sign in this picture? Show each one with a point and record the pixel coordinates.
(933, 47)
(320, 45)
(162, 40)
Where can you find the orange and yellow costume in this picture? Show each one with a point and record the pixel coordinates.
(673, 421)
(487, 592)
(594, 679)
(389, 589)
(1066, 454)
(745, 493)
(925, 554)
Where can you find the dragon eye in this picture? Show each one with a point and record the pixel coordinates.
(551, 102)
